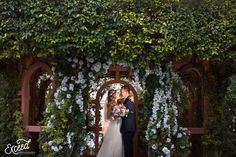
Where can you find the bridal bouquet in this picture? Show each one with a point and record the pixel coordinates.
(119, 111)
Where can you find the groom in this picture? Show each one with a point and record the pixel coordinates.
(128, 125)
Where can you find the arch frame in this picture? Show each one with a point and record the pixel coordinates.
(196, 72)
(24, 93)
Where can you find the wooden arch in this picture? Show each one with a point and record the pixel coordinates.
(192, 75)
(194, 72)
(25, 93)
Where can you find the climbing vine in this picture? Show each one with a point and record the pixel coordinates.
(138, 31)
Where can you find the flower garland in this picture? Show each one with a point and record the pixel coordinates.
(61, 121)
(67, 109)
(163, 135)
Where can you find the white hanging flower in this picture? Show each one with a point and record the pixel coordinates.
(65, 79)
(47, 110)
(57, 102)
(71, 87)
(52, 78)
(154, 147)
(49, 124)
(90, 60)
(81, 62)
(50, 143)
(60, 147)
(179, 135)
(69, 136)
(90, 74)
(182, 147)
(109, 62)
(146, 136)
(53, 69)
(69, 59)
(91, 82)
(68, 96)
(84, 86)
(97, 67)
(55, 148)
(60, 74)
(158, 125)
(147, 72)
(168, 140)
(81, 108)
(70, 109)
(62, 101)
(166, 151)
(55, 94)
(154, 131)
(64, 89)
(73, 65)
(73, 78)
(105, 67)
(234, 119)
(79, 102)
(91, 144)
(75, 60)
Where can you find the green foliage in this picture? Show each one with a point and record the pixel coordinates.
(219, 138)
(138, 31)
(64, 132)
(230, 118)
(11, 127)
(151, 85)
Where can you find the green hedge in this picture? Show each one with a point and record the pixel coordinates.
(138, 31)
(220, 91)
(11, 127)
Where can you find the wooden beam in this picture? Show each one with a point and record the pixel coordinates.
(196, 131)
(33, 128)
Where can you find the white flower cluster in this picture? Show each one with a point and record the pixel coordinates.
(69, 138)
(45, 77)
(75, 62)
(54, 146)
(164, 112)
(90, 140)
(98, 66)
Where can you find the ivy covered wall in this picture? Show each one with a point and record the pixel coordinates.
(11, 125)
(220, 92)
(134, 30)
(139, 32)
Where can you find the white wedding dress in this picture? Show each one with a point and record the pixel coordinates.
(112, 145)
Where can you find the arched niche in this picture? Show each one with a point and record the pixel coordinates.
(193, 80)
(29, 96)
(195, 119)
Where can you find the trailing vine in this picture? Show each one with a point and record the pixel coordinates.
(167, 98)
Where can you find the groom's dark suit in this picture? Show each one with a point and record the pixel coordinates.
(128, 128)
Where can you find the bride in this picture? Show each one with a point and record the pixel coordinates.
(112, 145)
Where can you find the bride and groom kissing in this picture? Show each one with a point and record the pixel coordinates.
(120, 130)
